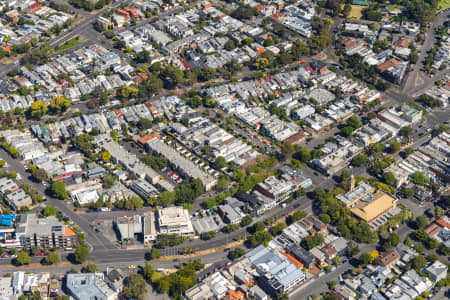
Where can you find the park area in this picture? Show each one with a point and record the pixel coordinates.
(75, 41)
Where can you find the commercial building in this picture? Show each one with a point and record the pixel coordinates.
(137, 227)
(276, 273)
(43, 233)
(84, 286)
(174, 220)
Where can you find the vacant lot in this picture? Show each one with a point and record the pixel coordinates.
(356, 12)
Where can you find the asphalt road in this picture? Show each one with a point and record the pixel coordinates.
(430, 39)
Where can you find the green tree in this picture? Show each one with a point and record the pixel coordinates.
(419, 178)
(247, 220)
(365, 258)
(81, 254)
(58, 189)
(303, 155)
(405, 131)
(148, 271)
(260, 238)
(135, 286)
(419, 262)
(258, 226)
(22, 259)
(155, 253)
(394, 146)
(90, 268)
(49, 211)
(421, 222)
(331, 285)
(389, 178)
(236, 253)
(220, 162)
(52, 257)
(408, 192)
(359, 160)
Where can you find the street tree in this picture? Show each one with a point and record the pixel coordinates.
(58, 189)
(52, 257)
(22, 259)
(81, 254)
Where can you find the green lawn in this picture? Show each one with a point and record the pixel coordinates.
(443, 4)
(79, 39)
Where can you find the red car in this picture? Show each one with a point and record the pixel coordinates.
(40, 254)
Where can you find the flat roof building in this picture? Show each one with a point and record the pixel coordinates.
(84, 286)
(175, 220)
(42, 233)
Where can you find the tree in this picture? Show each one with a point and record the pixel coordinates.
(58, 189)
(106, 156)
(229, 45)
(325, 218)
(365, 258)
(147, 271)
(81, 254)
(359, 160)
(90, 268)
(298, 215)
(236, 253)
(421, 222)
(332, 285)
(207, 235)
(432, 243)
(408, 192)
(49, 211)
(220, 162)
(39, 174)
(135, 286)
(303, 155)
(394, 146)
(38, 109)
(347, 10)
(155, 253)
(354, 122)
(22, 259)
(419, 262)
(258, 226)
(347, 131)
(405, 131)
(287, 149)
(389, 178)
(419, 178)
(59, 104)
(247, 220)
(438, 212)
(260, 238)
(52, 257)
(276, 230)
